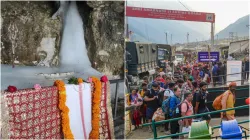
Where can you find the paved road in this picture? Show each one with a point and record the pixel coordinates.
(144, 134)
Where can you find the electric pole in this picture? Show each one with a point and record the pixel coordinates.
(217, 40)
(197, 46)
(166, 38)
(171, 39)
(236, 36)
(187, 38)
(231, 36)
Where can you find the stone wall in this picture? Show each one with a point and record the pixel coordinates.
(29, 35)
(104, 30)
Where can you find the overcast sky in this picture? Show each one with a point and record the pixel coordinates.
(226, 12)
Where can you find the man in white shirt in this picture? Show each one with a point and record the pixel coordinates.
(169, 92)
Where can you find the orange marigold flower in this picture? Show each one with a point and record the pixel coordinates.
(79, 80)
(96, 98)
(65, 110)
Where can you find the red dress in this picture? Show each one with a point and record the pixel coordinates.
(137, 118)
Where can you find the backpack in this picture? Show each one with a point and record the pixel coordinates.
(217, 102)
(177, 111)
(165, 105)
(194, 98)
(201, 73)
(160, 97)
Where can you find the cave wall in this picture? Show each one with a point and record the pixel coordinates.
(28, 34)
(28, 29)
(104, 34)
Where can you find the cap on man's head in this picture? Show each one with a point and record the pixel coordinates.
(155, 85)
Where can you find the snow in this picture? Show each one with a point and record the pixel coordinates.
(73, 49)
(73, 57)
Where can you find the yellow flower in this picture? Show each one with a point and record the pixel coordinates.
(96, 98)
(64, 109)
(80, 80)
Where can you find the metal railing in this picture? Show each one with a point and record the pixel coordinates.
(186, 117)
(242, 98)
(117, 116)
(237, 89)
(223, 77)
(116, 81)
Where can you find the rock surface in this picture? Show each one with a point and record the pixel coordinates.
(104, 30)
(31, 37)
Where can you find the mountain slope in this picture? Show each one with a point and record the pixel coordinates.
(238, 27)
(154, 30)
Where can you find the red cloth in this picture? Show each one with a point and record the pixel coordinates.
(208, 80)
(137, 118)
(195, 74)
(34, 114)
(104, 119)
(162, 80)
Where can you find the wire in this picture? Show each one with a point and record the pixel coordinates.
(183, 5)
(189, 10)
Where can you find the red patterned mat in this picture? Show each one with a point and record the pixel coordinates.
(34, 114)
(106, 129)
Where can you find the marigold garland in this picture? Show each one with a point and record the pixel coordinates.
(96, 100)
(64, 110)
(79, 80)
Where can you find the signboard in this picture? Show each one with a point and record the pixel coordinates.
(161, 54)
(234, 67)
(169, 14)
(203, 57)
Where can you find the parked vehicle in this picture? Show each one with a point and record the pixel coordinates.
(142, 59)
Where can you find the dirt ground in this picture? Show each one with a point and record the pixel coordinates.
(143, 133)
